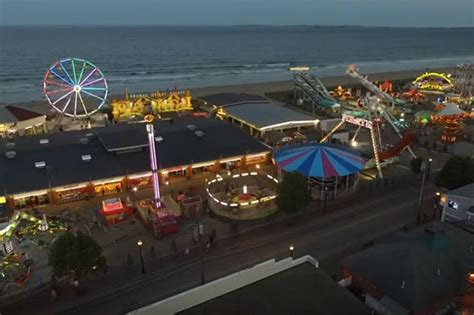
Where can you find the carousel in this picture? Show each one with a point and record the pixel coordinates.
(332, 171)
(451, 118)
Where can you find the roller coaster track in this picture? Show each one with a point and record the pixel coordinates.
(313, 89)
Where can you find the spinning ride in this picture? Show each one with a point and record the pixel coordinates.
(374, 118)
(75, 88)
(242, 196)
(433, 82)
(375, 114)
(451, 119)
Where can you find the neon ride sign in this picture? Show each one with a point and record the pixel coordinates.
(357, 121)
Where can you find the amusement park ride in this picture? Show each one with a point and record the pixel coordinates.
(375, 114)
(154, 104)
(308, 88)
(383, 96)
(75, 88)
(434, 83)
(154, 210)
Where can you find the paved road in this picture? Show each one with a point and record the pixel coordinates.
(356, 221)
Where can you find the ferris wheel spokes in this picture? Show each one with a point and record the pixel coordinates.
(88, 76)
(83, 105)
(93, 95)
(82, 70)
(67, 104)
(60, 77)
(92, 82)
(67, 73)
(75, 104)
(80, 77)
(63, 97)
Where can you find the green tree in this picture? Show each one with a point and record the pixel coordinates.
(75, 253)
(416, 165)
(455, 173)
(293, 193)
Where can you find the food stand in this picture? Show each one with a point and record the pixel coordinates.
(115, 211)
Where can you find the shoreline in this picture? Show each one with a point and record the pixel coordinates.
(261, 88)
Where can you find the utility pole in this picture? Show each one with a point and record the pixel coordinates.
(420, 199)
(201, 253)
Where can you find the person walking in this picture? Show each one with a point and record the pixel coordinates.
(54, 294)
(75, 283)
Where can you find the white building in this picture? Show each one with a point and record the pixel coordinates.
(458, 204)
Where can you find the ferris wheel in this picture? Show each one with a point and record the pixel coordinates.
(75, 87)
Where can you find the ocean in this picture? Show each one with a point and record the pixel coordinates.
(148, 58)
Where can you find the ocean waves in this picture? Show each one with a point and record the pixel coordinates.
(153, 58)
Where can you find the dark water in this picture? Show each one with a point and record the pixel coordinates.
(150, 58)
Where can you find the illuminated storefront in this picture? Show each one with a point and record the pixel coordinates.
(73, 193)
(31, 199)
(109, 186)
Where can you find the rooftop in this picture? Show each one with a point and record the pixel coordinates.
(463, 191)
(283, 287)
(226, 99)
(6, 116)
(63, 152)
(267, 114)
(420, 267)
(12, 114)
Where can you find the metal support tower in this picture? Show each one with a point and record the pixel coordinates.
(153, 166)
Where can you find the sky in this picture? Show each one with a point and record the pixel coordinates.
(404, 13)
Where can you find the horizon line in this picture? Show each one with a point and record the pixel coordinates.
(233, 25)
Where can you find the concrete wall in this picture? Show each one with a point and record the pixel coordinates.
(222, 286)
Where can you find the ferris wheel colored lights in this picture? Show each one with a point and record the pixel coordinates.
(75, 87)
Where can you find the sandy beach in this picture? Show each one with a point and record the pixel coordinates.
(261, 88)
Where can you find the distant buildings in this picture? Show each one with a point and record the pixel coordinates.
(458, 204)
(16, 121)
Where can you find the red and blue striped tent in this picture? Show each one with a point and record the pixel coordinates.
(319, 160)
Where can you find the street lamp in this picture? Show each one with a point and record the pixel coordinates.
(135, 188)
(470, 277)
(291, 248)
(140, 247)
(420, 198)
(436, 203)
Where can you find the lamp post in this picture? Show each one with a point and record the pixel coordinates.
(134, 196)
(325, 198)
(428, 168)
(140, 247)
(436, 203)
(470, 277)
(420, 198)
(291, 248)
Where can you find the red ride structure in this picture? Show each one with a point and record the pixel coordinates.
(376, 114)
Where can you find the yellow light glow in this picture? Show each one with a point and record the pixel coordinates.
(3, 199)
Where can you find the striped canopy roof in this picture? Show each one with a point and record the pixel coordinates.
(319, 160)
